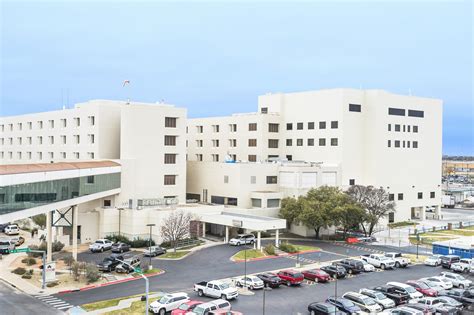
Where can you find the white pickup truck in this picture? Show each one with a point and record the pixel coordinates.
(216, 289)
(400, 261)
(463, 265)
(379, 261)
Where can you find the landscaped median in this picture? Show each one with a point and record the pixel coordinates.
(174, 255)
(271, 251)
(128, 305)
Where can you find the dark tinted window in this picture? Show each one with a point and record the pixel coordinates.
(396, 111)
(322, 125)
(311, 125)
(299, 126)
(416, 113)
(289, 126)
(355, 108)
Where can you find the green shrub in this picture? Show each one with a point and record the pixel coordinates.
(92, 273)
(31, 271)
(262, 234)
(168, 244)
(68, 260)
(119, 238)
(286, 247)
(140, 242)
(26, 276)
(34, 247)
(30, 261)
(19, 271)
(52, 284)
(269, 249)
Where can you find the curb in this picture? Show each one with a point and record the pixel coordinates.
(277, 256)
(109, 283)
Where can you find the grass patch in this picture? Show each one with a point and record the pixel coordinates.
(251, 253)
(457, 232)
(428, 240)
(401, 224)
(137, 308)
(301, 248)
(154, 270)
(109, 303)
(173, 255)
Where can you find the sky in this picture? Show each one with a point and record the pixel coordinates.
(215, 58)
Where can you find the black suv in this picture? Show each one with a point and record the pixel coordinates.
(397, 295)
(335, 271)
(270, 279)
(109, 263)
(448, 260)
(352, 266)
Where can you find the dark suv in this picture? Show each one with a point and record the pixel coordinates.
(109, 263)
(448, 260)
(352, 266)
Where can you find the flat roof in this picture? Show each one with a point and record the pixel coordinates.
(51, 167)
(246, 221)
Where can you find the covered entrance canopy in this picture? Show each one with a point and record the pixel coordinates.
(244, 221)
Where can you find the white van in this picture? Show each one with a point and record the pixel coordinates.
(408, 289)
(12, 229)
(205, 308)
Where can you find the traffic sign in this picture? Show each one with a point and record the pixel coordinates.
(20, 250)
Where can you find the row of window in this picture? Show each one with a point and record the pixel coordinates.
(272, 127)
(403, 128)
(273, 143)
(391, 197)
(402, 112)
(403, 144)
(51, 140)
(271, 180)
(44, 155)
(310, 142)
(322, 125)
(51, 123)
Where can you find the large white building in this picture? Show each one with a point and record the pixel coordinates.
(371, 137)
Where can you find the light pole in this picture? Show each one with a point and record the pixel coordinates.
(245, 268)
(151, 225)
(335, 292)
(264, 290)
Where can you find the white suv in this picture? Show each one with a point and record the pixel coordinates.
(366, 303)
(457, 280)
(242, 239)
(100, 245)
(168, 302)
(12, 229)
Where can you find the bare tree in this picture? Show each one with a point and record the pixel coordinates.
(376, 203)
(176, 227)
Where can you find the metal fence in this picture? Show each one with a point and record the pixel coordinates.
(448, 226)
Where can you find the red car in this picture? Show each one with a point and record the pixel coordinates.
(290, 277)
(422, 288)
(185, 308)
(316, 275)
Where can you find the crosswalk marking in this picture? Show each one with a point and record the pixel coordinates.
(54, 302)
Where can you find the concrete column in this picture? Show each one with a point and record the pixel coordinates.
(75, 216)
(277, 237)
(49, 236)
(258, 240)
(226, 234)
(203, 229)
(423, 213)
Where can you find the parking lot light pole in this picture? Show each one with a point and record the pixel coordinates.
(245, 268)
(151, 225)
(264, 290)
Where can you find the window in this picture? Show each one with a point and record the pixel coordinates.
(215, 128)
(415, 129)
(403, 143)
(252, 142)
(76, 155)
(397, 143)
(273, 203)
(19, 155)
(170, 122)
(415, 144)
(273, 143)
(10, 127)
(20, 126)
(51, 124)
(289, 142)
(107, 203)
(322, 125)
(264, 110)
(310, 142)
(199, 157)
(233, 143)
(170, 158)
(299, 126)
(91, 155)
(40, 140)
(252, 158)
(2, 141)
(400, 196)
(273, 127)
(389, 127)
(396, 111)
(40, 155)
(28, 139)
(389, 144)
(28, 155)
(322, 142)
(352, 182)
(253, 127)
(299, 142)
(233, 127)
(215, 157)
(91, 138)
(334, 142)
(416, 113)
(30, 125)
(397, 128)
(77, 139)
(289, 126)
(391, 197)
(91, 120)
(226, 179)
(355, 108)
(170, 180)
(40, 124)
(420, 195)
(199, 129)
(90, 179)
(408, 144)
(334, 124)
(77, 121)
(63, 139)
(63, 155)
(170, 140)
(272, 179)
(233, 157)
(215, 143)
(199, 143)
(63, 122)
(432, 194)
(391, 217)
(256, 203)
(51, 139)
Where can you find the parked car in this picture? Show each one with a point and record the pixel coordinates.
(316, 275)
(405, 310)
(367, 267)
(185, 307)
(100, 245)
(154, 251)
(242, 239)
(168, 302)
(319, 308)
(365, 303)
(441, 281)
(433, 286)
(425, 309)
(128, 265)
(400, 261)
(449, 301)
(12, 229)
(393, 293)
(216, 289)
(422, 287)
(408, 289)
(3, 226)
(463, 265)
(352, 266)
(6, 245)
(17, 240)
(448, 260)
(109, 263)
(120, 247)
(434, 261)
(438, 305)
(290, 277)
(270, 279)
(224, 312)
(457, 280)
(460, 295)
(379, 261)
(378, 297)
(206, 308)
(251, 282)
(335, 271)
(342, 304)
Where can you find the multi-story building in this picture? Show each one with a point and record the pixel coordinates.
(368, 135)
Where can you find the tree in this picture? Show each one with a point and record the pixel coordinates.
(40, 220)
(376, 203)
(290, 209)
(350, 216)
(176, 227)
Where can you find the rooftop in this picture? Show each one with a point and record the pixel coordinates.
(51, 167)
